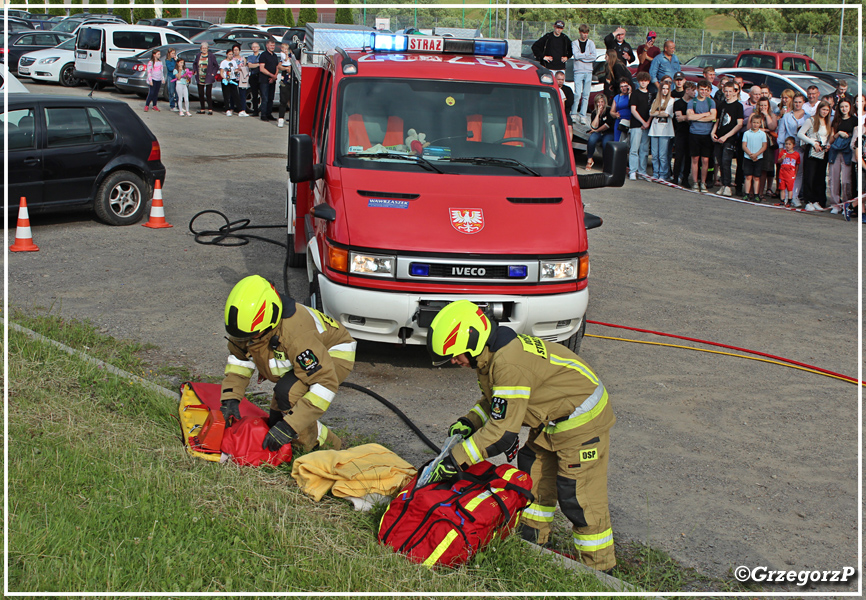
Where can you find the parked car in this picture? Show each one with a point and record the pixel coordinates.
(778, 80)
(76, 151)
(19, 14)
(71, 24)
(719, 61)
(833, 77)
(230, 33)
(293, 35)
(54, 65)
(131, 72)
(98, 47)
(16, 24)
(783, 61)
(220, 46)
(9, 82)
(27, 41)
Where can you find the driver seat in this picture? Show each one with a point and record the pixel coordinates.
(493, 129)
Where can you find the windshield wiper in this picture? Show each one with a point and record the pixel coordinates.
(501, 162)
(418, 160)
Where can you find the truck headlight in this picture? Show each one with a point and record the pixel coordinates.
(559, 270)
(371, 264)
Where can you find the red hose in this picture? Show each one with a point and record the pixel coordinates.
(699, 341)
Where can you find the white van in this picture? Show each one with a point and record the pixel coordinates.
(98, 47)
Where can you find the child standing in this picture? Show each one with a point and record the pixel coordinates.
(170, 65)
(789, 158)
(183, 77)
(155, 75)
(243, 79)
(754, 146)
(639, 103)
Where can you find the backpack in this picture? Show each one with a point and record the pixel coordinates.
(205, 435)
(446, 523)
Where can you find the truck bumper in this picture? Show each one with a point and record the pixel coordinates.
(391, 317)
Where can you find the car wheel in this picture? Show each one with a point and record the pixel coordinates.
(121, 199)
(66, 77)
(573, 343)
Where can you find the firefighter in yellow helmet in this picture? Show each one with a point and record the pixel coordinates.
(526, 381)
(304, 352)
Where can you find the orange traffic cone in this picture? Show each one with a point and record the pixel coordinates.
(23, 237)
(157, 212)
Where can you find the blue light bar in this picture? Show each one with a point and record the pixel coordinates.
(495, 48)
(419, 270)
(389, 42)
(517, 271)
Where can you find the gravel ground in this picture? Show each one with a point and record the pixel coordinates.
(717, 460)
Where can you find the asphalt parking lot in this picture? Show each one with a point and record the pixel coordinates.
(718, 460)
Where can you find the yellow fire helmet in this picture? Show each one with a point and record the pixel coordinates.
(459, 327)
(253, 307)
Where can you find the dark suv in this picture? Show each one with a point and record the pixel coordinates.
(71, 151)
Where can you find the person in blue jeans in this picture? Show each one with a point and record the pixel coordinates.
(619, 109)
(170, 66)
(268, 62)
(583, 51)
(639, 104)
(601, 129)
(661, 131)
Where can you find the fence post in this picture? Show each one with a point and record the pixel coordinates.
(703, 31)
(522, 23)
(732, 41)
(675, 36)
(796, 39)
(764, 42)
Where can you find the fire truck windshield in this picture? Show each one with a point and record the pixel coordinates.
(460, 127)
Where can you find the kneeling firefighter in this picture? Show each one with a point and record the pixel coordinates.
(304, 352)
(527, 381)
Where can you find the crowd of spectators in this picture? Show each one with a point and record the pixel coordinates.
(731, 139)
(254, 76)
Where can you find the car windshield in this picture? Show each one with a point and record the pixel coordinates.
(451, 127)
(67, 26)
(824, 88)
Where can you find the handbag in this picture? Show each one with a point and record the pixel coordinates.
(624, 125)
(446, 523)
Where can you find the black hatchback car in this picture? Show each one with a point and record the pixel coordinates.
(72, 151)
(28, 41)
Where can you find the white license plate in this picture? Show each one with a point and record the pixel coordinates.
(122, 80)
(24, 70)
(81, 54)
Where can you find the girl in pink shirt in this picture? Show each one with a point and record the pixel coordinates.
(155, 76)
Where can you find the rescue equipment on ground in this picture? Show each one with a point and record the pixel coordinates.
(365, 475)
(206, 436)
(447, 523)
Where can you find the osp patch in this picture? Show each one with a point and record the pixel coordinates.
(308, 362)
(497, 408)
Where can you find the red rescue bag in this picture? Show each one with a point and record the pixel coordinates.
(446, 523)
(206, 436)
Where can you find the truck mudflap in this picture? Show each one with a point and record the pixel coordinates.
(400, 317)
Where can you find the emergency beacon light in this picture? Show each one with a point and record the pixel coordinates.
(397, 42)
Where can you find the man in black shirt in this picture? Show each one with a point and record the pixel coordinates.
(553, 49)
(726, 134)
(682, 156)
(616, 41)
(268, 62)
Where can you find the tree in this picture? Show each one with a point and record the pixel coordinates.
(55, 10)
(344, 14)
(142, 13)
(289, 18)
(754, 19)
(171, 9)
(308, 13)
(276, 14)
(247, 13)
(232, 12)
(76, 7)
(99, 10)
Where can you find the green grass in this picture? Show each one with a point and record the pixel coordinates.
(103, 498)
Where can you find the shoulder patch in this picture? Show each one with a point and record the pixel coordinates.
(498, 407)
(308, 361)
(533, 345)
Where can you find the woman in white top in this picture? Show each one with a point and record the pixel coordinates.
(661, 132)
(815, 135)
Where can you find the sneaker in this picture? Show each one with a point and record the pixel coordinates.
(228, 113)
(243, 114)
(632, 176)
(810, 207)
(173, 109)
(695, 187)
(747, 197)
(582, 119)
(835, 210)
(146, 109)
(847, 212)
(281, 122)
(726, 191)
(796, 203)
(156, 108)
(703, 187)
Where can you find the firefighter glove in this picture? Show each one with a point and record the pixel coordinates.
(231, 410)
(446, 470)
(278, 436)
(462, 427)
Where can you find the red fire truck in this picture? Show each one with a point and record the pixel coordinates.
(427, 169)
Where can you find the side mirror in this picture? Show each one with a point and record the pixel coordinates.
(615, 163)
(324, 211)
(591, 221)
(301, 167)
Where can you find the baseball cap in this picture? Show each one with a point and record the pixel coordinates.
(651, 34)
(679, 75)
(559, 23)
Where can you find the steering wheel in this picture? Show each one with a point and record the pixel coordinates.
(527, 141)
